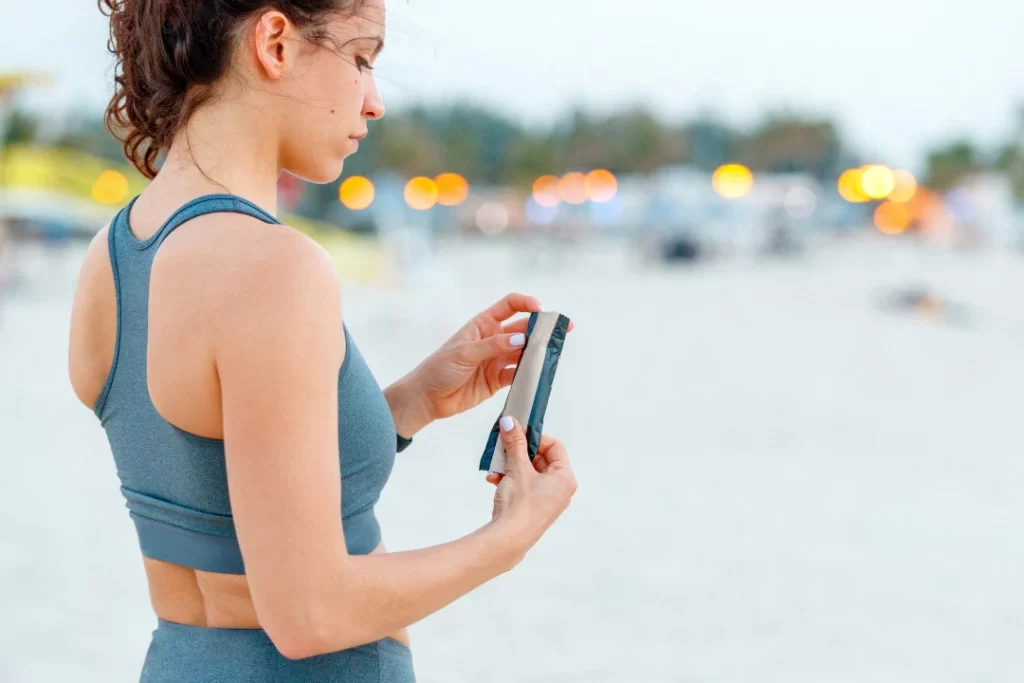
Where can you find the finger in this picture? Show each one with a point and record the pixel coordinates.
(505, 377)
(509, 357)
(553, 450)
(514, 440)
(498, 374)
(494, 477)
(522, 324)
(540, 463)
(516, 326)
(495, 345)
(510, 305)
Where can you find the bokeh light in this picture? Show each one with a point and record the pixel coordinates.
(545, 191)
(892, 218)
(421, 193)
(540, 214)
(356, 193)
(924, 205)
(877, 181)
(960, 205)
(850, 186)
(733, 181)
(452, 189)
(491, 218)
(110, 187)
(607, 213)
(905, 187)
(572, 188)
(601, 185)
(800, 202)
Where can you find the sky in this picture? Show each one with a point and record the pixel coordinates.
(898, 76)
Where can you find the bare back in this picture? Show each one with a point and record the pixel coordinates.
(201, 258)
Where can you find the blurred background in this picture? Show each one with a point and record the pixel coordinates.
(791, 236)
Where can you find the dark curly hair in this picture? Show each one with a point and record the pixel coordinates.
(169, 54)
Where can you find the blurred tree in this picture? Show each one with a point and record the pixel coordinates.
(709, 143)
(531, 156)
(487, 148)
(787, 143)
(948, 165)
(1011, 159)
(473, 141)
(88, 134)
(640, 143)
(1011, 162)
(405, 145)
(21, 127)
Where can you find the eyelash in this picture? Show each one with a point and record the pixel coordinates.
(363, 64)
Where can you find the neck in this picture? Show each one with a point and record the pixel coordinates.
(225, 148)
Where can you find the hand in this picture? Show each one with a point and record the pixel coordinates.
(477, 361)
(530, 496)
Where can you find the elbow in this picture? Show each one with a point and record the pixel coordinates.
(296, 644)
(312, 634)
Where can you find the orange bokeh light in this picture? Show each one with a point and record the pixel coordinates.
(892, 218)
(356, 193)
(573, 188)
(545, 191)
(421, 193)
(906, 187)
(452, 189)
(601, 186)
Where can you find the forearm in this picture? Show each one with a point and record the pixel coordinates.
(408, 406)
(377, 594)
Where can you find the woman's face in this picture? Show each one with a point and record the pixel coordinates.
(331, 96)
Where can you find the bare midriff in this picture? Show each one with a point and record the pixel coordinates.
(188, 596)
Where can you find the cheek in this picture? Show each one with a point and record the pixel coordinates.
(349, 97)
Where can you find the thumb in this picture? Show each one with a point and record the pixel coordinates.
(516, 454)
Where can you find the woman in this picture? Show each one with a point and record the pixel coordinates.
(209, 340)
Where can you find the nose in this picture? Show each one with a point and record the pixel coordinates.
(373, 104)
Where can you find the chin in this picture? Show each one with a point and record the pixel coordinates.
(319, 172)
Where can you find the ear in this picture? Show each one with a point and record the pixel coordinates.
(276, 41)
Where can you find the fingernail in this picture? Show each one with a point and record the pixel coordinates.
(517, 339)
(506, 424)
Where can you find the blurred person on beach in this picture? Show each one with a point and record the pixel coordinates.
(249, 436)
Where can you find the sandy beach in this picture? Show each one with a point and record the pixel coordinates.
(781, 479)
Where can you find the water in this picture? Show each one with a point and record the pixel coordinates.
(780, 480)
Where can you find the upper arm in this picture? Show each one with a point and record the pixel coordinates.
(93, 331)
(278, 346)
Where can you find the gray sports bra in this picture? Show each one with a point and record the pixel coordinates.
(174, 482)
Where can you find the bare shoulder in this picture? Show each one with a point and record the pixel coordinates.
(96, 264)
(238, 252)
(250, 277)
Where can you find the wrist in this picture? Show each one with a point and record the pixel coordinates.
(510, 542)
(408, 407)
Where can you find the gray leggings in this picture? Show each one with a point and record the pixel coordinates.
(195, 654)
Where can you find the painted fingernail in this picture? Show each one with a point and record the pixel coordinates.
(506, 424)
(517, 339)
